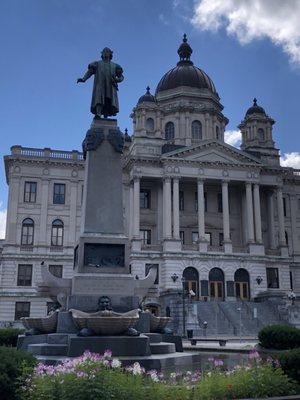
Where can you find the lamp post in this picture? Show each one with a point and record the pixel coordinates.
(183, 307)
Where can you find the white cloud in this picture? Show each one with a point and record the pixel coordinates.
(163, 19)
(290, 160)
(3, 213)
(233, 138)
(277, 20)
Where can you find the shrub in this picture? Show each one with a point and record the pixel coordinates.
(290, 363)
(95, 377)
(9, 336)
(279, 337)
(13, 363)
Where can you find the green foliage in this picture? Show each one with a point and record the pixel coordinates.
(98, 379)
(13, 363)
(279, 337)
(290, 363)
(9, 336)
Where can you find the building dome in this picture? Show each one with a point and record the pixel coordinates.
(185, 73)
(148, 97)
(255, 109)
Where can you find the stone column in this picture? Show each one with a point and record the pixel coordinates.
(201, 210)
(225, 206)
(167, 208)
(271, 222)
(176, 208)
(12, 212)
(44, 213)
(249, 205)
(257, 213)
(131, 210)
(136, 208)
(280, 212)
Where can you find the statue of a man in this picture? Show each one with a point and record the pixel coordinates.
(107, 76)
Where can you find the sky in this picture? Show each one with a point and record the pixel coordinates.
(249, 49)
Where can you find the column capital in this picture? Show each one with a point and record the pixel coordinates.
(225, 182)
(200, 180)
(167, 178)
(136, 178)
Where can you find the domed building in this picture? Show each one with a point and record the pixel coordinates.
(219, 222)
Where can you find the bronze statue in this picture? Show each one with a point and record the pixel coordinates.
(107, 76)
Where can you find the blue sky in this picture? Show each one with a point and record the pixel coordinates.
(46, 45)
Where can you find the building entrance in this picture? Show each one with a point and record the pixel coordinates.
(216, 284)
(241, 284)
(191, 282)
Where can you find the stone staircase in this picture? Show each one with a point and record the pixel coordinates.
(227, 318)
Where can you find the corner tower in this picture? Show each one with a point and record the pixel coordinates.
(257, 135)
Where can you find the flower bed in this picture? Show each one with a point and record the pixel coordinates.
(100, 377)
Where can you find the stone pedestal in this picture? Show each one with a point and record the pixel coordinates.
(172, 245)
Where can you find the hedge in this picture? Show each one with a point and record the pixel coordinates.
(290, 363)
(9, 336)
(13, 364)
(279, 337)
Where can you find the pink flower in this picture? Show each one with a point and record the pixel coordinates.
(218, 363)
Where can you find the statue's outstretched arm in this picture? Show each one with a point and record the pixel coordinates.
(88, 74)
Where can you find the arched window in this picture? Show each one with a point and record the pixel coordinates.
(196, 130)
(169, 131)
(150, 124)
(242, 284)
(27, 232)
(261, 134)
(57, 233)
(216, 284)
(218, 133)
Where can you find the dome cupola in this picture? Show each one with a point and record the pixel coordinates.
(255, 109)
(185, 73)
(147, 97)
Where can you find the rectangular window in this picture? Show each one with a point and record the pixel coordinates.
(208, 238)
(145, 198)
(284, 206)
(181, 200)
(51, 306)
(22, 309)
(221, 238)
(30, 192)
(145, 235)
(56, 270)
(272, 278)
(205, 201)
(220, 204)
(147, 269)
(181, 233)
(195, 237)
(24, 275)
(59, 193)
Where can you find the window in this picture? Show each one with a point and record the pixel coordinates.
(208, 238)
(24, 275)
(291, 280)
(145, 235)
(59, 191)
(181, 233)
(147, 269)
(27, 232)
(261, 134)
(284, 206)
(169, 131)
(181, 200)
(150, 124)
(218, 133)
(145, 197)
(57, 233)
(196, 130)
(205, 201)
(22, 309)
(272, 278)
(30, 192)
(221, 238)
(220, 203)
(195, 237)
(56, 270)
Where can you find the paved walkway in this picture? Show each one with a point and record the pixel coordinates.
(233, 344)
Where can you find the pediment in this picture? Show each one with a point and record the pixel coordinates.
(213, 152)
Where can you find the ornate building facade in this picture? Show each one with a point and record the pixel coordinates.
(226, 220)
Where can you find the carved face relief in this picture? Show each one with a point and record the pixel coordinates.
(104, 303)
